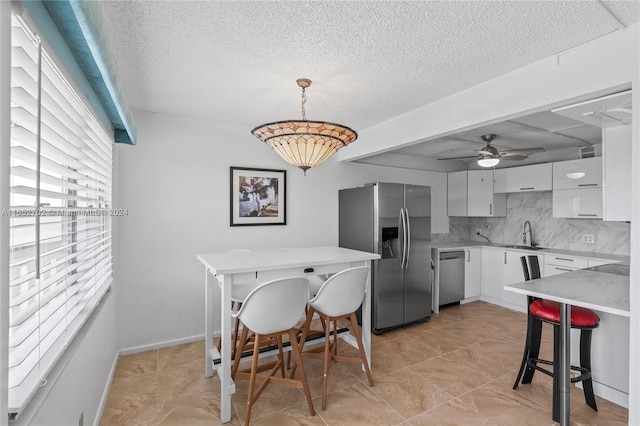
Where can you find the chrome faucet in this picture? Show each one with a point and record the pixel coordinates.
(524, 235)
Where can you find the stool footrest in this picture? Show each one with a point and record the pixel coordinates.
(533, 363)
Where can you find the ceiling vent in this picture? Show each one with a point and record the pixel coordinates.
(589, 151)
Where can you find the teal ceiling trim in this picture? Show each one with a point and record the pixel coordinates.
(80, 25)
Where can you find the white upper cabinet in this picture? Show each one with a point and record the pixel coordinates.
(578, 174)
(481, 200)
(584, 203)
(536, 177)
(457, 193)
(470, 193)
(616, 154)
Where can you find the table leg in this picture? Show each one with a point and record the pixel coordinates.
(209, 282)
(227, 387)
(564, 372)
(366, 318)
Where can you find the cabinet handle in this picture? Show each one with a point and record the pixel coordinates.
(588, 184)
(468, 255)
(524, 189)
(505, 257)
(563, 269)
(490, 209)
(588, 214)
(564, 258)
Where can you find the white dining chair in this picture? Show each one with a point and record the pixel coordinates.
(271, 310)
(338, 298)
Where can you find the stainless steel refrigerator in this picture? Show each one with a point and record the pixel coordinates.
(393, 220)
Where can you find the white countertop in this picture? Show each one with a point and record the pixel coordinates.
(461, 245)
(601, 291)
(268, 260)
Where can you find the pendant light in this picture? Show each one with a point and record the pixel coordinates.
(304, 143)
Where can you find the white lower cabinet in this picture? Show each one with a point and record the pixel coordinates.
(492, 282)
(501, 267)
(609, 342)
(609, 357)
(472, 272)
(513, 273)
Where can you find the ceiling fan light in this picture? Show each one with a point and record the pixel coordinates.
(488, 162)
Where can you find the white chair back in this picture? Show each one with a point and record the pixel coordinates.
(275, 305)
(342, 293)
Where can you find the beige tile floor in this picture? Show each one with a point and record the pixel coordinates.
(456, 369)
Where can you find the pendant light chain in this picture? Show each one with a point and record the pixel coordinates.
(304, 100)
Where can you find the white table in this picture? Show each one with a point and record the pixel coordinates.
(603, 288)
(266, 265)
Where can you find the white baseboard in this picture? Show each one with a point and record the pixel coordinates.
(469, 300)
(105, 392)
(610, 394)
(504, 304)
(160, 345)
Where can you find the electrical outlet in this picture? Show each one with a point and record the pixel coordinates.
(588, 239)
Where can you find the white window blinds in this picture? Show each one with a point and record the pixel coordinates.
(60, 225)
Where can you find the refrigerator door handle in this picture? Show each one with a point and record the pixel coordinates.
(408, 232)
(404, 239)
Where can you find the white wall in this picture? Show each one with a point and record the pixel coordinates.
(175, 185)
(78, 382)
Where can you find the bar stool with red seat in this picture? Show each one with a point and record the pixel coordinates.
(541, 310)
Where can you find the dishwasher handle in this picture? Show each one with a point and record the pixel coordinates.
(452, 255)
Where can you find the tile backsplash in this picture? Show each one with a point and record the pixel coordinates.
(610, 237)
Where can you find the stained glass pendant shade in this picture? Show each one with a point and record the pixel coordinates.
(304, 143)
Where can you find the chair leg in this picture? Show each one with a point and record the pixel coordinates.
(327, 360)
(335, 337)
(252, 379)
(295, 348)
(239, 347)
(303, 338)
(356, 331)
(534, 348)
(527, 347)
(280, 355)
(585, 362)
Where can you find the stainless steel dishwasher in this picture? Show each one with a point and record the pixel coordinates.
(451, 268)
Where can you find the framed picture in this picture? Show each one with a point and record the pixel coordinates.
(258, 197)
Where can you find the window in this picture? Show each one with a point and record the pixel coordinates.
(60, 224)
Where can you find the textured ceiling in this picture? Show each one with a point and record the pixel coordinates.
(369, 61)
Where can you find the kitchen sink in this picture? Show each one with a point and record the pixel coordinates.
(525, 247)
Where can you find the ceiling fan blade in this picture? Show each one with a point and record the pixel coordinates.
(458, 158)
(513, 157)
(523, 151)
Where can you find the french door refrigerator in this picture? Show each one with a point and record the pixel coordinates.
(393, 220)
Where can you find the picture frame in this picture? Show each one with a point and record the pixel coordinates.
(257, 197)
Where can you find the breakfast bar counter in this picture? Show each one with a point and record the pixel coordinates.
(602, 288)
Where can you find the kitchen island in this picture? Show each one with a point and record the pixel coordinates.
(602, 288)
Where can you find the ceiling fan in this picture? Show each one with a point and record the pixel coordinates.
(489, 156)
